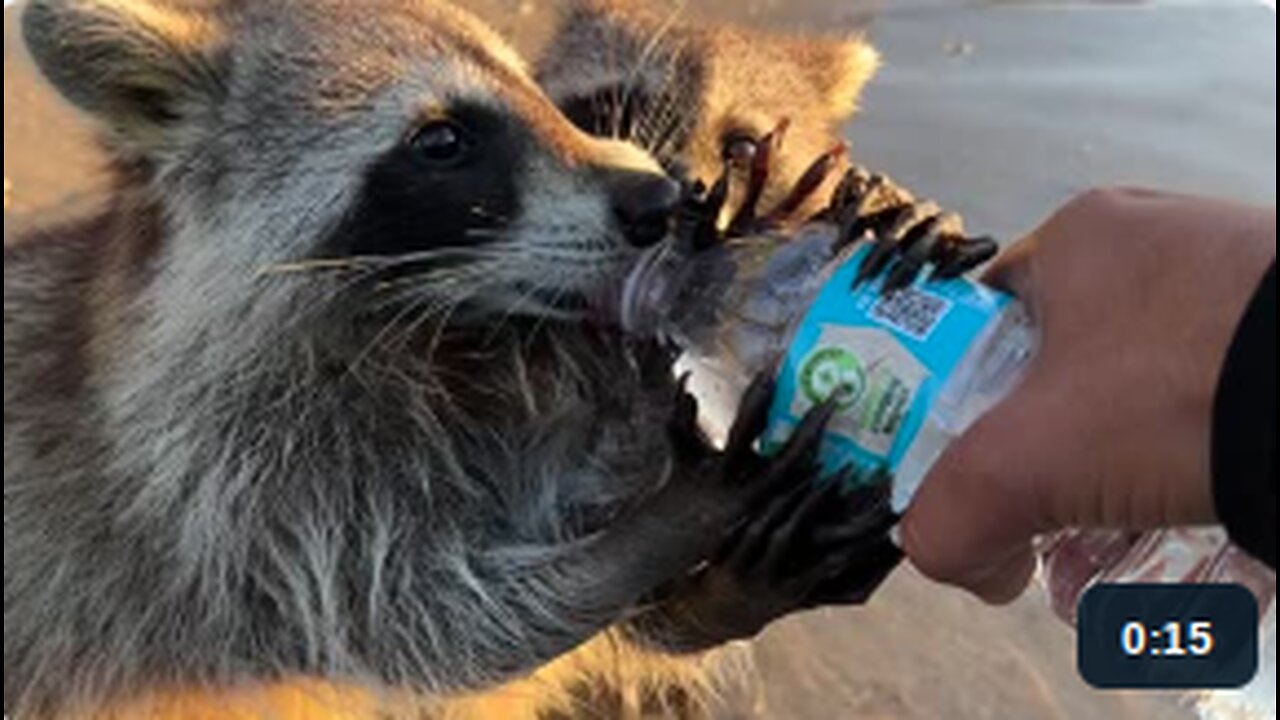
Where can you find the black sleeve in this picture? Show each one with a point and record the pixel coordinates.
(1244, 431)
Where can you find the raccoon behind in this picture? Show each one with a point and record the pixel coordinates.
(701, 94)
(312, 398)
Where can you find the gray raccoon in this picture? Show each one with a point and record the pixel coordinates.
(312, 398)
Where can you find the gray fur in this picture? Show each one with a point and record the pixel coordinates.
(217, 475)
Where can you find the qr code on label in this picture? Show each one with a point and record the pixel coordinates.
(911, 312)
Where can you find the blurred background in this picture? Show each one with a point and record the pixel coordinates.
(999, 109)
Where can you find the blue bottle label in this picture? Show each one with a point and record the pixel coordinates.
(884, 358)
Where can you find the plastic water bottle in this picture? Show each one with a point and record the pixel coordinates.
(909, 370)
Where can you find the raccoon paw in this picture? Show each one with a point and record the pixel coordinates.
(819, 544)
(712, 492)
(698, 221)
(908, 234)
(854, 550)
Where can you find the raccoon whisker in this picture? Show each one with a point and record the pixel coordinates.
(436, 265)
(366, 263)
(423, 309)
(442, 308)
(482, 212)
(668, 128)
(650, 50)
(542, 320)
(545, 229)
(514, 307)
(312, 266)
(661, 122)
(437, 335)
(353, 368)
(438, 283)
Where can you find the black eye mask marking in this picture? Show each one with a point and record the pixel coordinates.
(451, 184)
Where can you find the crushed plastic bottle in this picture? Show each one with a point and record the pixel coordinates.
(909, 370)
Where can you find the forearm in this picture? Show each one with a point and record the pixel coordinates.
(539, 606)
(671, 626)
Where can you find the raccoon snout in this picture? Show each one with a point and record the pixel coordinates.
(643, 204)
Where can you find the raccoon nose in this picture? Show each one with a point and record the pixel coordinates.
(644, 204)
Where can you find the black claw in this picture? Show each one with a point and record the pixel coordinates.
(879, 223)
(801, 516)
(924, 240)
(802, 447)
(964, 255)
(768, 537)
(877, 260)
(849, 191)
(902, 276)
(687, 440)
(852, 215)
(910, 235)
(745, 221)
(707, 232)
(922, 244)
(808, 184)
(853, 577)
(750, 424)
(858, 527)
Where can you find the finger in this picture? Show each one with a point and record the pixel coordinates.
(1011, 272)
(783, 542)
(980, 503)
(869, 523)
(762, 533)
(874, 492)
(802, 447)
(1005, 581)
(852, 578)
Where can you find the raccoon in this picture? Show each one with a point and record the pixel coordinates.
(703, 95)
(317, 398)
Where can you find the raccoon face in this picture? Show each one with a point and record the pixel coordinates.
(701, 98)
(398, 139)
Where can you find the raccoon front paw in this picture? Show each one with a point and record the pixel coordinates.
(908, 234)
(712, 492)
(821, 544)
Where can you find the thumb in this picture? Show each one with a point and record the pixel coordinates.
(972, 522)
(1012, 271)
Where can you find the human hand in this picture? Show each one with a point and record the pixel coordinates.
(1137, 296)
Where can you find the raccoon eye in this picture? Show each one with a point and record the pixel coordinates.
(442, 142)
(740, 150)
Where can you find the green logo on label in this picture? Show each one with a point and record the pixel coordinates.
(833, 372)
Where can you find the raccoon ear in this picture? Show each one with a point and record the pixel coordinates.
(595, 43)
(840, 69)
(136, 65)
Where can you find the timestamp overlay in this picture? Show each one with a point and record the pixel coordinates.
(1193, 637)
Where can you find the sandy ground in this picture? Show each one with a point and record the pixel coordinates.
(1001, 111)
